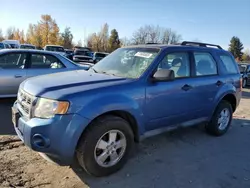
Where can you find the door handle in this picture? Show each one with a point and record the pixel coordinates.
(18, 76)
(219, 83)
(186, 87)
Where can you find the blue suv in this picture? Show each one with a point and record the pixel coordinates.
(94, 117)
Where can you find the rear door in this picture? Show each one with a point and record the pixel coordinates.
(12, 72)
(206, 80)
(40, 64)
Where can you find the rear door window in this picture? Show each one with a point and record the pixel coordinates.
(44, 61)
(205, 64)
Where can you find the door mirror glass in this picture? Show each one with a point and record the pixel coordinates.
(162, 75)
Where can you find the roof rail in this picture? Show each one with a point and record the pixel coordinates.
(184, 43)
(152, 43)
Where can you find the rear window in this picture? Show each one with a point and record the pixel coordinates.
(83, 52)
(100, 55)
(55, 49)
(27, 47)
(229, 64)
(13, 45)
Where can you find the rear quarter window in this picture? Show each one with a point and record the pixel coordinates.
(229, 64)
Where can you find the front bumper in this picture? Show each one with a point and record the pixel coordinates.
(56, 138)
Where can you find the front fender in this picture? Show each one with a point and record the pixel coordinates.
(104, 104)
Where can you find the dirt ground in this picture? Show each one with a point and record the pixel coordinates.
(182, 158)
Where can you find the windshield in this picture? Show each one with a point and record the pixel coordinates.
(242, 68)
(127, 62)
(27, 47)
(1, 46)
(55, 48)
(83, 52)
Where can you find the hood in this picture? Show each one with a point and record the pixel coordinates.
(61, 84)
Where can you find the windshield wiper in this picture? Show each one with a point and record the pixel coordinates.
(93, 69)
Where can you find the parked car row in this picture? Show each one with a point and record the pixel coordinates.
(95, 117)
(77, 54)
(16, 65)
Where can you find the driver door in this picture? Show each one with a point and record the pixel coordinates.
(12, 72)
(40, 64)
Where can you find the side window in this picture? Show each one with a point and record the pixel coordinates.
(178, 62)
(41, 61)
(229, 64)
(205, 64)
(13, 61)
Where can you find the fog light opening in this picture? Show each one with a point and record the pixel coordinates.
(40, 141)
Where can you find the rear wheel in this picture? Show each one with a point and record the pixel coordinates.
(104, 148)
(221, 119)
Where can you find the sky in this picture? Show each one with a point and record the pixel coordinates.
(210, 21)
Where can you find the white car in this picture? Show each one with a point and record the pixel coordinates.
(55, 48)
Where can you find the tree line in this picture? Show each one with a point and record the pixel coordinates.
(46, 31)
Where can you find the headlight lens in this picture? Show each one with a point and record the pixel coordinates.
(47, 108)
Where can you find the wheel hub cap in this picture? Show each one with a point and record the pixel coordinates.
(223, 119)
(110, 148)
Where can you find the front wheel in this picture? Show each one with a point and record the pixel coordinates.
(221, 119)
(104, 148)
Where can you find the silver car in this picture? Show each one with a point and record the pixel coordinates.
(16, 65)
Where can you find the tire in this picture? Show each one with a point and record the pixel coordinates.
(214, 127)
(244, 83)
(87, 152)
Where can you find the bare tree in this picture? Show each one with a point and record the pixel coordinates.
(103, 37)
(10, 32)
(125, 41)
(155, 34)
(1, 35)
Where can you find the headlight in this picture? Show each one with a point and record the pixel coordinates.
(47, 108)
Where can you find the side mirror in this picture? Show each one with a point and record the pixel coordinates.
(163, 75)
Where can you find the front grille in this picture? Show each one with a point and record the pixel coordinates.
(24, 101)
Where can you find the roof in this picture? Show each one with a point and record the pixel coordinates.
(54, 46)
(27, 50)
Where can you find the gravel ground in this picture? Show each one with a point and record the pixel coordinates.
(185, 158)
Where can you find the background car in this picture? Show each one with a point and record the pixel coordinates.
(55, 48)
(82, 56)
(4, 46)
(12, 43)
(245, 73)
(97, 56)
(27, 46)
(16, 65)
(69, 53)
